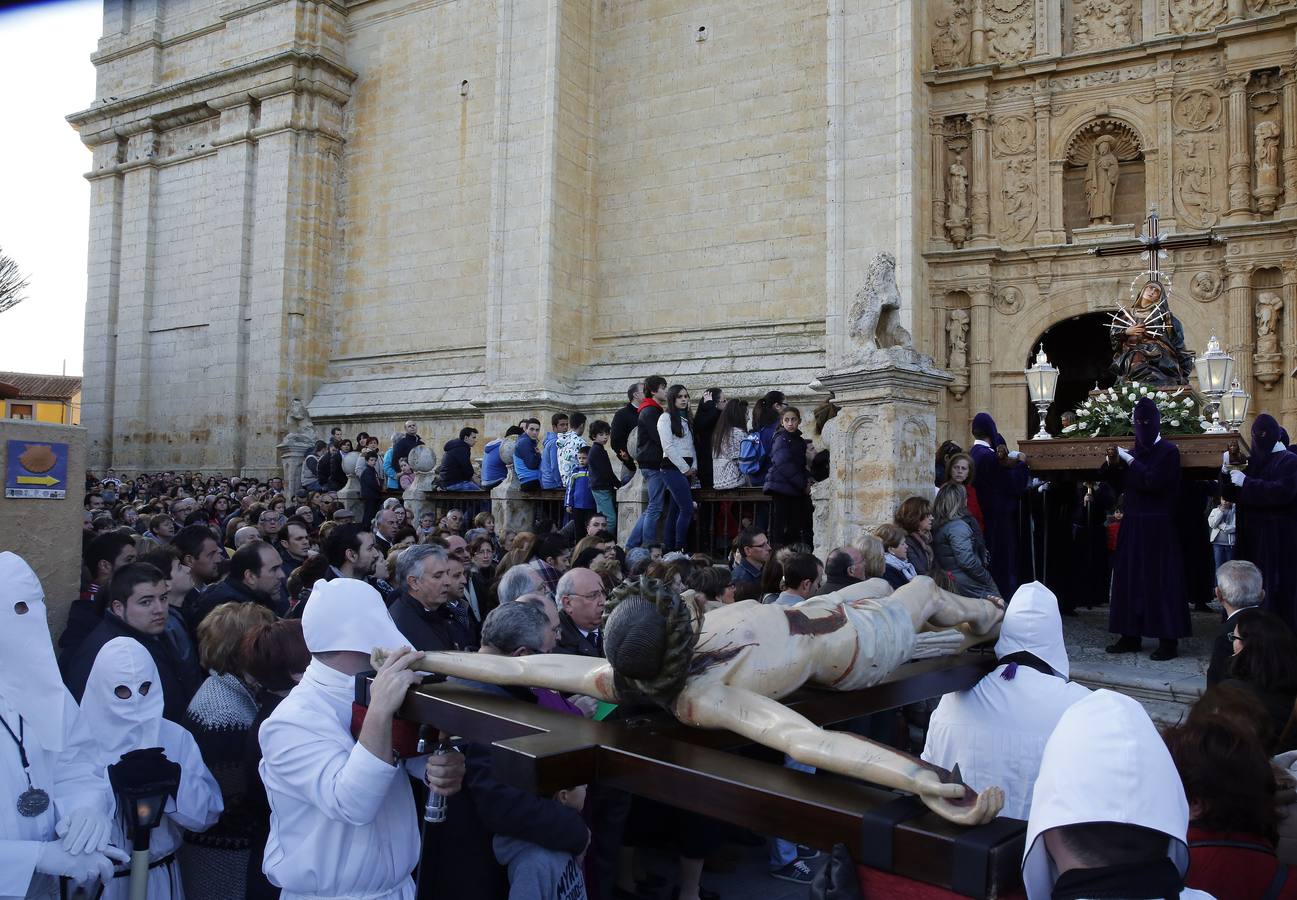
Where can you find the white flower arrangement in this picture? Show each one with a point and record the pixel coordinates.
(1108, 412)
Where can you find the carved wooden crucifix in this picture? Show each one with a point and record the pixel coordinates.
(654, 756)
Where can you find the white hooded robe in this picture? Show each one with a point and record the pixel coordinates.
(996, 731)
(32, 696)
(1105, 762)
(111, 726)
(343, 822)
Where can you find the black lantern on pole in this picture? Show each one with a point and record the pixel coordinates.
(142, 781)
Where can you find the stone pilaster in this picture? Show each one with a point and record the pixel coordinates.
(102, 294)
(884, 442)
(1158, 164)
(1045, 233)
(937, 131)
(979, 346)
(1240, 160)
(980, 209)
(1289, 208)
(1238, 298)
(539, 282)
(1289, 336)
(130, 409)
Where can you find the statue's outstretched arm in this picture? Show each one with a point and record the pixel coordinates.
(556, 671)
(774, 725)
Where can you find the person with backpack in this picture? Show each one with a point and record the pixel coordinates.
(765, 421)
(550, 477)
(788, 483)
(726, 446)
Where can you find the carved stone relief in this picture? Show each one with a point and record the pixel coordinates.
(1008, 301)
(1194, 181)
(1196, 110)
(1100, 24)
(1188, 16)
(1018, 199)
(1205, 286)
(1013, 134)
(1010, 29)
(951, 31)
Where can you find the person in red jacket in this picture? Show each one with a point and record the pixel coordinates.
(1220, 754)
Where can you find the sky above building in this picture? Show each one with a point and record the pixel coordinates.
(45, 207)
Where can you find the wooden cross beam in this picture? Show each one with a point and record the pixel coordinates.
(653, 756)
(1154, 245)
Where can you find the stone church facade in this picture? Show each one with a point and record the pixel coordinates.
(465, 210)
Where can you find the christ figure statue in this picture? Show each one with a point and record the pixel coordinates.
(730, 668)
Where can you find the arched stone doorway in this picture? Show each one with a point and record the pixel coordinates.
(1079, 348)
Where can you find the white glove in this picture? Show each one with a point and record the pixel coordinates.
(52, 859)
(84, 830)
(1015, 454)
(1125, 455)
(1224, 460)
(1237, 477)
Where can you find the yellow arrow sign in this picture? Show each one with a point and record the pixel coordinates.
(46, 480)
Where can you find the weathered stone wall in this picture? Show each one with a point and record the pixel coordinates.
(47, 533)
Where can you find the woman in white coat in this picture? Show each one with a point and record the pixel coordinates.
(121, 711)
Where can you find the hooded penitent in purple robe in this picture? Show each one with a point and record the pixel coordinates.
(999, 490)
(1267, 517)
(1148, 592)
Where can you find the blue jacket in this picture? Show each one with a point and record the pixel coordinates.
(579, 493)
(390, 470)
(787, 472)
(493, 469)
(549, 476)
(767, 436)
(526, 461)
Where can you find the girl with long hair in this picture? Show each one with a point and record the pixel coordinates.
(679, 467)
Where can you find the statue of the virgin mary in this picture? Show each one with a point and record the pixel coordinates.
(1148, 341)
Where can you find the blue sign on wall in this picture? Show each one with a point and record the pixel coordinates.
(36, 470)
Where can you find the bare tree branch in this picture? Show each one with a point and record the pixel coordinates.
(12, 283)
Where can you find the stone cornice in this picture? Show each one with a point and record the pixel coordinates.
(126, 115)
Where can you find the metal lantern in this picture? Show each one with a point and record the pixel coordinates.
(1214, 368)
(1042, 381)
(1233, 406)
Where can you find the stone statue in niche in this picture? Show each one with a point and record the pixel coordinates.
(957, 336)
(876, 314)
(957, 201)
(1267, 190)
(1101, 181)
(1188, 16)
(1268, 360)
(1269, 308)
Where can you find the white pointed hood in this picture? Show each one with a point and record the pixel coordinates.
(1032, 623)
(121, 709)
(29, 674)
(1105, 762)
(348, 614)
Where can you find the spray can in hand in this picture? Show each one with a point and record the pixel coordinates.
(434, 811)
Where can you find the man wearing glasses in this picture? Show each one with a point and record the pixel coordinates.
(754, 550)
(580, 597)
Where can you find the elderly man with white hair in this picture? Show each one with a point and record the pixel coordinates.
(50, 791)
(580, 597)
(996, 730)
(343, 821)
(520, 580)
(1239, 590)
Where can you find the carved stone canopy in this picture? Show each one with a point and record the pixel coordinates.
(1125, 142)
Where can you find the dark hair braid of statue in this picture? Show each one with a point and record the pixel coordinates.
(681, 639)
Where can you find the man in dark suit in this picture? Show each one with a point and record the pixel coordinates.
(1238, 588)
(580, 597)
(428, 578)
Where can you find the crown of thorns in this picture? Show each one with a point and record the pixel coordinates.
(681, 637)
